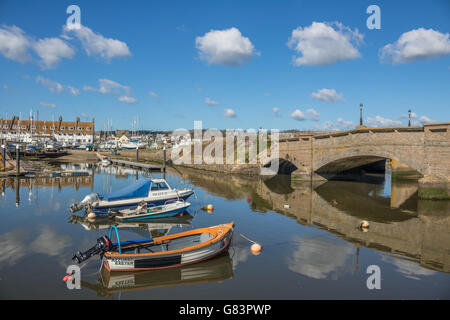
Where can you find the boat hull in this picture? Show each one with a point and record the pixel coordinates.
(120, 205)
(166, 212)
(161, 260)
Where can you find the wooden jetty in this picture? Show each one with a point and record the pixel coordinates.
(137, 165)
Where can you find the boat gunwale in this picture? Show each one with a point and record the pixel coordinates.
(133, 270)
(211, 230)
(102, 204)
(184, 205)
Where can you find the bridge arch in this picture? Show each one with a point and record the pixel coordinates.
(356, 158)
(284, 166)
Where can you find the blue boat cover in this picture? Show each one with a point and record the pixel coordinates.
(139, 189)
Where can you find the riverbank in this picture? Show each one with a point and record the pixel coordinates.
(157, 156)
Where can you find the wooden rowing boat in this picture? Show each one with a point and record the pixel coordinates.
(171, 250)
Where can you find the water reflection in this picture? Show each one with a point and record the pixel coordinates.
(308, 230)
(400, 224)
(18, 243)
(320, 257)
(153, 228)
(215, 270)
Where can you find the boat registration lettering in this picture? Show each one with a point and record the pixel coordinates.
(122, 262)
(159, 193)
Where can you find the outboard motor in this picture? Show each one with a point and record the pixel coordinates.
(90, 198)
(103, 244)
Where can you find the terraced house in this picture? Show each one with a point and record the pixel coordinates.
(68, 132)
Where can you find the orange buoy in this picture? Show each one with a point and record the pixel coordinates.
(210, 207)
(256, 249)
(67, 278)
(91, 215)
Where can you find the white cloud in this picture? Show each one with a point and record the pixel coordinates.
(327, 95)
(379, 121)
(327, 126)
(314, 115)
(107, 86)
(340, 124)
(225, 47)
(211, 102)
(53, 86)
(298, 115)
(276, 111)
(425, 119)
(7, 88)
(154, 95)
(56, 87)
(48, 105)
(229, 113)
(417, 44)
(14, 44)
(345, 125)
(406, 116)
(96, 44)
(73, 91)
(127, 99)
(51, 50)
(324, 43)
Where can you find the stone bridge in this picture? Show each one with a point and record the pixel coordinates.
(425, 149)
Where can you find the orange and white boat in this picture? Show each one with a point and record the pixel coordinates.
(163, 252)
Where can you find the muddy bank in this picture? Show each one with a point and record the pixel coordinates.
(151, 156)
(74, 156)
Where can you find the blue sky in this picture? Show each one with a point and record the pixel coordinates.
(232, 64)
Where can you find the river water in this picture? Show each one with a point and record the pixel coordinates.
(312, 246)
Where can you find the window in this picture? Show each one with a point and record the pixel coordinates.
(63, 128)
(88, 129)
(44, 127)
(52, 128)
(71, 128)
(159, 186)
(24, 127)
(80, 128)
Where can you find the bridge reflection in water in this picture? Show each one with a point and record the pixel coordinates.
(400, 224)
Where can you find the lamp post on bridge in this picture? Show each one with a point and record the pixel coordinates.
(360, 114)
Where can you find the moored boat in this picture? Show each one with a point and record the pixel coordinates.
(143, 211)
(162, 252)
(151, 191)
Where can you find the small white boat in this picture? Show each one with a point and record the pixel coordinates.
(105, 162)
(143, 211)
(154, 191)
